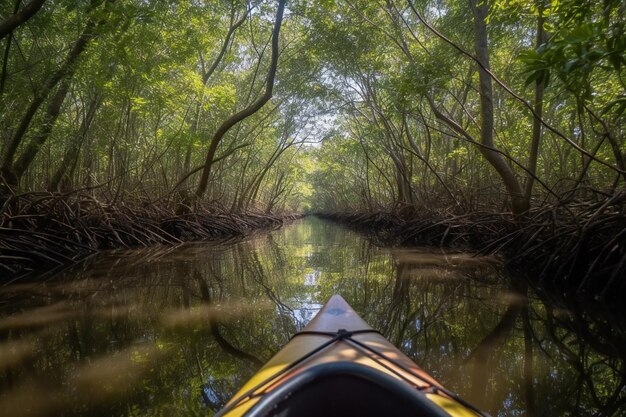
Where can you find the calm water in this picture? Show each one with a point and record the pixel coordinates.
(176, 331)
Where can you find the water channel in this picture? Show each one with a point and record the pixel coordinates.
(176, 331)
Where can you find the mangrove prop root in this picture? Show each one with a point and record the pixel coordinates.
(580, 248)
(45, 232)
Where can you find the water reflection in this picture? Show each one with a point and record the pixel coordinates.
(176, 331)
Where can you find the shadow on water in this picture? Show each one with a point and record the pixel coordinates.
(176, 331)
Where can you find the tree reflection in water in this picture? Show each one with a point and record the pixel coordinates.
(176, 331)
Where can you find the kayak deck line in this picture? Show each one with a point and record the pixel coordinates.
(339, 334)
(339, 364)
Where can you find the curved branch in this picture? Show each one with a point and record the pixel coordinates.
(231, 30)
(19, 18)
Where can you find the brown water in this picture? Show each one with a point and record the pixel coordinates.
(176, 331)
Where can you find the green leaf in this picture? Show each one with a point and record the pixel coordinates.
(533, 77)
(572, 64)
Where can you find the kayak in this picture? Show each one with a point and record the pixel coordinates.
(340, 366)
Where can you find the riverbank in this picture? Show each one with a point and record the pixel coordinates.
(579, 251)
(43, 232)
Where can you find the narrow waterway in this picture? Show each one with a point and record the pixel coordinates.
(176, 331)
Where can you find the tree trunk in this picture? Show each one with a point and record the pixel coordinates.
(206, 75)
(67, 69)
(60, 178)
(32, 148)
(248, 111)
(480, 9)
(537, 126)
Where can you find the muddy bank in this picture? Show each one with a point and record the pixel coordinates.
(578, 251)
(45, 232)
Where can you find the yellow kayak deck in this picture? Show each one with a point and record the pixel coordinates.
(338, 337)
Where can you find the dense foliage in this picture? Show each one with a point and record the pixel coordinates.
(122, 98)
(441, 104)
(451, 104)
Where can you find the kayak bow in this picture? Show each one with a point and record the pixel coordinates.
(338, 366)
